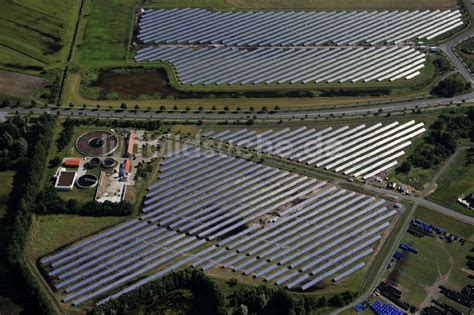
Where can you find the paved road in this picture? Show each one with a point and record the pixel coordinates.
(448, 46)
(383, 265)
(349, 110)
(422, 202)
(448, 49)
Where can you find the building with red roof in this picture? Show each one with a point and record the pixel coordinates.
(72, 162)
(130, 143)
(127, 166)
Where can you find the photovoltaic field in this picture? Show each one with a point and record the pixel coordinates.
(206, 66)
(210, 210)
(300, 28)
(265, 47)
(360, 151)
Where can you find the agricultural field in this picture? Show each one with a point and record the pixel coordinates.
(19, 85)
(36, 35)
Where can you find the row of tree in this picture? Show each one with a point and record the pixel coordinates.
(66, 135)
(49, 202)
(209, 299)
(270, 300)
(13, 143)
(22, 202)
(150, 124)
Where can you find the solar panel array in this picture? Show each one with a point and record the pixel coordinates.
(211, 210)
(206, 66)
(359, 151)
(295, 28)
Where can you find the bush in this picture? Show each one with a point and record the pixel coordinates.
(208, 299)
(48, 202)
(448, 88)
(441, 141)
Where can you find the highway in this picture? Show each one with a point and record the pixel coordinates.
(346, 111)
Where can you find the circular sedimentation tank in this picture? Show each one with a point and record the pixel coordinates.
(93, 163)
(87, 181)
(96, 143)
(108, 163)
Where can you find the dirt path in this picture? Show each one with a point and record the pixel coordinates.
(431, 186)
(432, 292)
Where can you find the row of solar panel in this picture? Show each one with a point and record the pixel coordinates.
(359, 151)
(200, 26)
(207, 66)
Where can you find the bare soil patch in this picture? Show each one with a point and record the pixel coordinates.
(19, 85)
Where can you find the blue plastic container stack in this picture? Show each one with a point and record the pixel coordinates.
(359, 307)
(385, 309)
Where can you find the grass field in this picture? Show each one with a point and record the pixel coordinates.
(107, 31)
(50, 232)
(437, 263)
(455, 181)
(35, 34)
(466, 52)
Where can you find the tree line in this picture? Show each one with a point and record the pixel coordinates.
(26, 185)
(149, 124)
(66, 135)
(13, 141)
(208, 298)
(49, 202)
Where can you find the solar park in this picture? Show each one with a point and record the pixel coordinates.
(362, 151)
(297, 47)
(292, 28)
(209, 210)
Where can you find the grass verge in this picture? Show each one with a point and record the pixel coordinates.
(456, 181)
